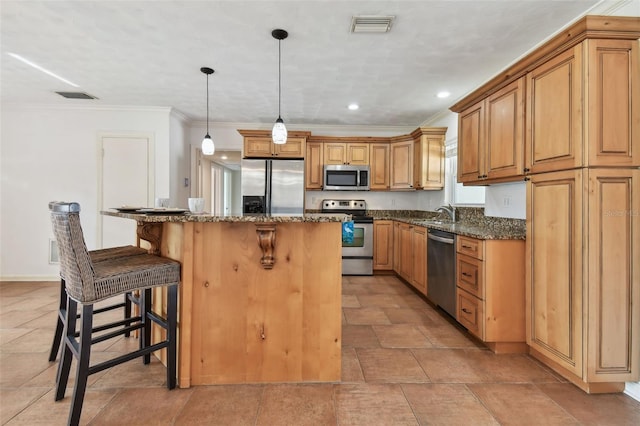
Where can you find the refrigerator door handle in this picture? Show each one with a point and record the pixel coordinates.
(267, 187)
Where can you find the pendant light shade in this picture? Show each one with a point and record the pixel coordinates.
(279, 132)
(208, 148)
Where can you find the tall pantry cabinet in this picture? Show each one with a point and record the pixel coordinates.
(582, 167)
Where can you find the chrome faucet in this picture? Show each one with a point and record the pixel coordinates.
(449, 210)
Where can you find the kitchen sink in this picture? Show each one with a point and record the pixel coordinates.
(432, 222)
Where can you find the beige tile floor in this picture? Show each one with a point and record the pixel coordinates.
(403, 362)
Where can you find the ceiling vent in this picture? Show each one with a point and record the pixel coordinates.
(76, 95)
(371, 24)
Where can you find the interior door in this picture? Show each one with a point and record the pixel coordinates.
(124, 172)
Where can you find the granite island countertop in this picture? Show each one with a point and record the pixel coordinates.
(259, 218)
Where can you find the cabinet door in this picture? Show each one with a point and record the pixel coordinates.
(470, 142)
(402, 165)
(504, 156)
(554, 114)
(335, 153)
(383, 245)
(358, 154)
(406, 251)
(313, 164)
(419, 252)
(257, 147)
(396, 247)
(379, 168)
(613, 243)
(428, 161)
(554, 287)
(613, 99)
(294, 148)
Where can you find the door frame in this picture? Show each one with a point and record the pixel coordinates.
(150, 171)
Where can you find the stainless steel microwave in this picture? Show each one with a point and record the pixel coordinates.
(346, 178)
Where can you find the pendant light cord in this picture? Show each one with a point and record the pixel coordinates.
(207, 104)
(279, 77)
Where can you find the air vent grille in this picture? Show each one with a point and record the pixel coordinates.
(76, 95)
(371, 24)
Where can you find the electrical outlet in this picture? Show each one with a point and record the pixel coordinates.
(393, 201)
(506, 201)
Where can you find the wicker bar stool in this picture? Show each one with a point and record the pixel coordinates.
(86, 283)
(129, 299)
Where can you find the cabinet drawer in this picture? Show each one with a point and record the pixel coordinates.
(470, 312)
(470, 246)
(469, 275)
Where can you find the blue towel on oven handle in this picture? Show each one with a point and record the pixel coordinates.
(347, 232)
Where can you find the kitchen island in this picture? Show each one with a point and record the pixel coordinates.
(260, 296)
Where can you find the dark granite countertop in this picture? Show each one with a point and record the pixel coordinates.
(188, 217)
(471, 223)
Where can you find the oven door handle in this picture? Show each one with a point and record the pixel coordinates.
(440, 239)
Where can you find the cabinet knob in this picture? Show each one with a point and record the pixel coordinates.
(526, 178)
(527, 170)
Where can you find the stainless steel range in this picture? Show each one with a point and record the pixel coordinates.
(357, 255)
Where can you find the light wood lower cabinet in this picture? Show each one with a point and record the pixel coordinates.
(491, 291)
(410, 254)
(583, 275)
(419, 262)
(383, 245)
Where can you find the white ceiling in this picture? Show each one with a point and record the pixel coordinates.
(149, 53)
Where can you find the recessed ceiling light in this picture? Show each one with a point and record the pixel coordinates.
(443, 95)
(39, 68)
(224, 157)
(353, 107)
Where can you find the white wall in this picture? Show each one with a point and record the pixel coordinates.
(179, 161)
(49, 153)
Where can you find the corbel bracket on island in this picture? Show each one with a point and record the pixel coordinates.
(152, 233)
(267, 241)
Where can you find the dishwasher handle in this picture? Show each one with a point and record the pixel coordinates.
(441, 239)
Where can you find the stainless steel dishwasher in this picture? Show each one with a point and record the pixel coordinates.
(441, 270)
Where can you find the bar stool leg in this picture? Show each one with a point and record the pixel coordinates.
(57, 337)
(66, 356)
(82, 372)
(145, 308)
(127, 310)
(172, 320)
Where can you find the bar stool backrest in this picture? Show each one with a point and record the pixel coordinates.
(75, 263)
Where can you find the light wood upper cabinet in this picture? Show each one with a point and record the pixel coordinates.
(471, 143)
(346, 153)
(428, 158)
(554, 114)
(383, 245)
(613, 131)
(379, 167)
(491, 137)
(402, 165)
(258, 144)
(314, 166)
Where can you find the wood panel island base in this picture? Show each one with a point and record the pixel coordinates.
(260, 297)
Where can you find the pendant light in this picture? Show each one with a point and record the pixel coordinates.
(207, 143)
(279, 132)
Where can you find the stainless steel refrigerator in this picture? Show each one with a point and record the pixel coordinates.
(272, 187)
